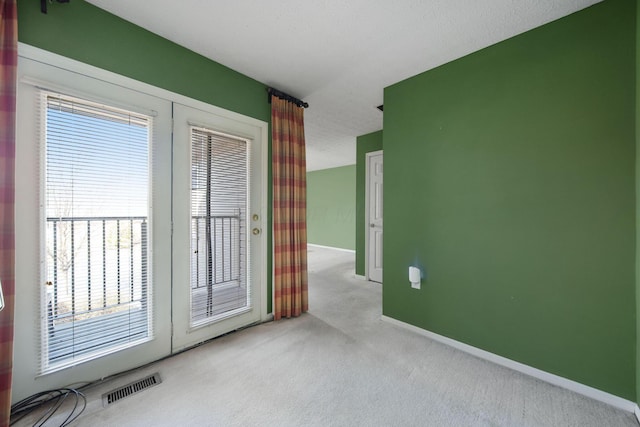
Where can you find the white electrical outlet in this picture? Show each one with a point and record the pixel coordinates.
(415, 275)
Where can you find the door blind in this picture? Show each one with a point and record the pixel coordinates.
(219, 205)
(96, 230)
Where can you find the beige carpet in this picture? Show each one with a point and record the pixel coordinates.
(340, 365)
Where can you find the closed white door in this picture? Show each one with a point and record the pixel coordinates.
(374, 210)
(219, 276)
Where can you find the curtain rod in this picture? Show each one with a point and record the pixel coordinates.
(43, 4)
(282, 95)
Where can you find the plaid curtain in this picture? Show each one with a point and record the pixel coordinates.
(289, 209)
(8, 65)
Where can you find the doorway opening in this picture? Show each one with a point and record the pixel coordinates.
(374, 215)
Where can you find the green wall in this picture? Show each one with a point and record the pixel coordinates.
(364, 144)
(331, 216)
(637, 201)
(510, 179)
(91, 35)
(83, 32)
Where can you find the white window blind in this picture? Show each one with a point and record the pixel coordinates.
(96, 230)
(220, 176)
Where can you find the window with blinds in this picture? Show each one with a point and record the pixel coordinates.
(219, 205)
(96, 230)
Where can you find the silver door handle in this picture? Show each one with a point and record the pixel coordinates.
(372, 225)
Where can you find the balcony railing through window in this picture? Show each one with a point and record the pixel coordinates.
(218, 282)
(98, 281)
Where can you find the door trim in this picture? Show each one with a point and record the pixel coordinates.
(366, 209)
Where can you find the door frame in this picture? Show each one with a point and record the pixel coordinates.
(44, 70)
(367, 202)
(26, 379)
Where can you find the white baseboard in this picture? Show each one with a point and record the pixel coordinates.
(360, 277)
(331, 247)
(593, 393)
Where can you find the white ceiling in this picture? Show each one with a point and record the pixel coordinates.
(338, 55)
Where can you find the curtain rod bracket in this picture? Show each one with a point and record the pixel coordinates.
(43, 4)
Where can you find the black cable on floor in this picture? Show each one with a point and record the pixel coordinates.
(50, 401)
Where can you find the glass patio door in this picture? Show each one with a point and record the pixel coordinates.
(218, 242)
(93, 266)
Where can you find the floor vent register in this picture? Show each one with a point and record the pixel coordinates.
(131, 388)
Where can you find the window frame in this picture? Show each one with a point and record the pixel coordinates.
(46, 324)
(244, 226)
